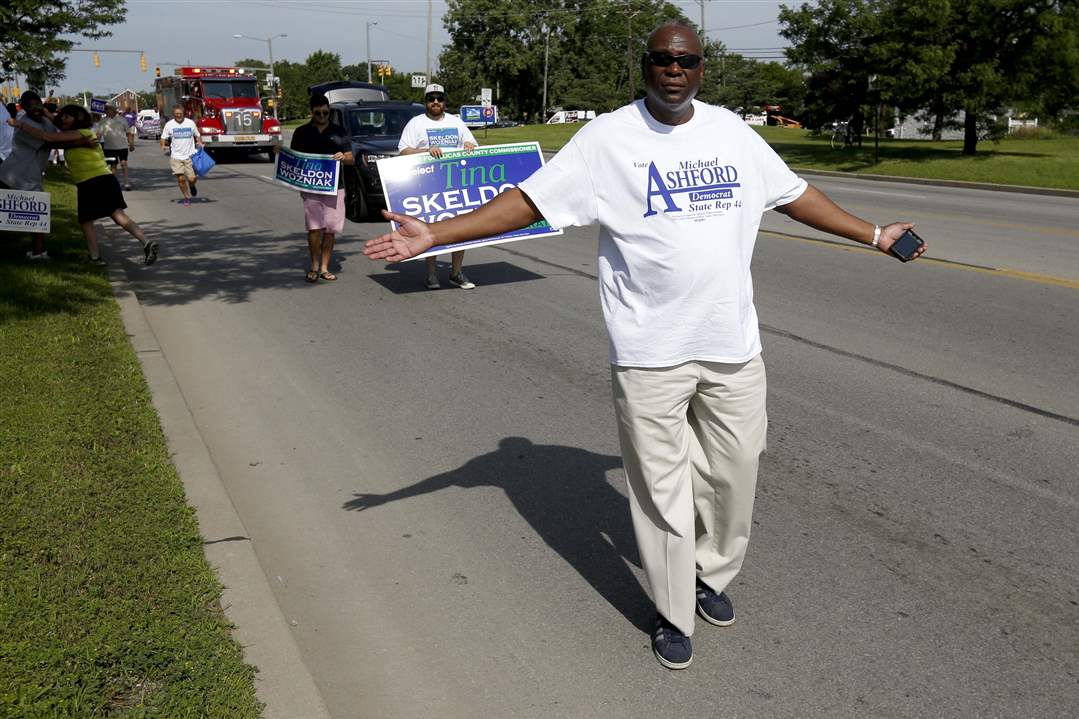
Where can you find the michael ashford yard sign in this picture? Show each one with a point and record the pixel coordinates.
(22, 211)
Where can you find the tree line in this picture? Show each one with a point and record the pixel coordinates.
(937, 57)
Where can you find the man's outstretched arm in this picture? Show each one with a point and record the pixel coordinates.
(511, 210)
(815, 209)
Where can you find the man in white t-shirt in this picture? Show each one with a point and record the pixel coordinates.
(432, 132)
(678, 189)
(184, 137)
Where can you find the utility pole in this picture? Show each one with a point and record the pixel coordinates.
(429, 2)
(701, 3)
(368, 25)
(629, 55)
(546, 53)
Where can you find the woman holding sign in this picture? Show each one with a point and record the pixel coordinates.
(325, 214)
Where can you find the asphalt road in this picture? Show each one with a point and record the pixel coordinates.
(432, 485)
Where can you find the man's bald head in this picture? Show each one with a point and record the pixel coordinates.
(661, 36)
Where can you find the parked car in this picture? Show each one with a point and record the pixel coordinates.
(375, 129)
(350, 91)
(148, 125)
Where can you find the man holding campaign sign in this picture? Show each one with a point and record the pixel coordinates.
(432, 132)
(310, 165)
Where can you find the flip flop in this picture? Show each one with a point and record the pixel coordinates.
(312, 276)
(328, 276)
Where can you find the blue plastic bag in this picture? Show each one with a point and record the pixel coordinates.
(201, 162)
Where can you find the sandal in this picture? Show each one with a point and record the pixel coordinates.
(312, 276)
(328, 276)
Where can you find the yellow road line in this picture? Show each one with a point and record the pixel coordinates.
(997, 271)
(968, 220)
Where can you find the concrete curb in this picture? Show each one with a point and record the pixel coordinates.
(283, 683)
(1051, 191)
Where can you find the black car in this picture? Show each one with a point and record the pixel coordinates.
(375, 129)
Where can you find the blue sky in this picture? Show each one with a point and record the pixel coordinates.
(201, 32)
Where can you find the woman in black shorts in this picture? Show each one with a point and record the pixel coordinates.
(98, 190)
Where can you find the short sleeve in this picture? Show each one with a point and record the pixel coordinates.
(166, 131)
(562, 190)
(467, 136)
(781, 185)
(408, 136)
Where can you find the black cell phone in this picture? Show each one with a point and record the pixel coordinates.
(905, 247)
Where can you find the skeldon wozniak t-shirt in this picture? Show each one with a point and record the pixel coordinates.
(448, 132)
(679, 208)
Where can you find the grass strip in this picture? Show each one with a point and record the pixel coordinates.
(1050, 162)
(108, 607)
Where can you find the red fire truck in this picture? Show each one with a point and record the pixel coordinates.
(224, 102)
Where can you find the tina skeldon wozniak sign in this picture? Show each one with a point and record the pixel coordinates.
(460, 181)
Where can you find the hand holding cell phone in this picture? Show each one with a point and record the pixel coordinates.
(901, 241)
(907, 247)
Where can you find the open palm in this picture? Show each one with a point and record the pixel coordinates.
(412, 237)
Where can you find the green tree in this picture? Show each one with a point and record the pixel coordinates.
(593, 50)
(837, 42)
(35, 35)
(979, 56)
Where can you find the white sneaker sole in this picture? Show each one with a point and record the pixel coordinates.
(711, 620)
(669, 664)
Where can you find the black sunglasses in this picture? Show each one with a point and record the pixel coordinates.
(321, 113)
(436, 98)
(664, 59)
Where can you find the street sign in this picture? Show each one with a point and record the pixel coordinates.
(485, 95)
(97, 105)
(419, 80)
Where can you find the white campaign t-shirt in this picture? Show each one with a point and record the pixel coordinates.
(448, 132)
(679, 208)
(183, 136)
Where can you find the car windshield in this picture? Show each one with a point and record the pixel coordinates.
(230, 89)
(380, 123)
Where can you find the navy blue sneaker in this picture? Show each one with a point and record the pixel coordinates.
(671, 646)
(714, 608)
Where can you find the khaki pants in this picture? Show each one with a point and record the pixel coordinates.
(691, 438)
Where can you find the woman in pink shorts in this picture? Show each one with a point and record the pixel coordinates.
(324, 214)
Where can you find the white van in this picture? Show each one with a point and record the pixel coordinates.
(148, 124)
(564, 116)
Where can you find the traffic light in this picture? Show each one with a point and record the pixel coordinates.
(157, 71)
(279, 93)
(142, 61)
(97, 59)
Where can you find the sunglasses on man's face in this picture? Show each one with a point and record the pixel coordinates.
(436, 98)
(664, 59)
(321, 113)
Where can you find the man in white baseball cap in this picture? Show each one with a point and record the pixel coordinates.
(432, 132)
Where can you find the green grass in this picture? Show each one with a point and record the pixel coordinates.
(107, 605)
(1052, 162)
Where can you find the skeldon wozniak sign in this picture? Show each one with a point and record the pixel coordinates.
(460, 181)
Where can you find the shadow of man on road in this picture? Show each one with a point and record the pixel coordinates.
(563, 493)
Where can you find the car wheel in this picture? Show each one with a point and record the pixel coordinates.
(356, 207)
